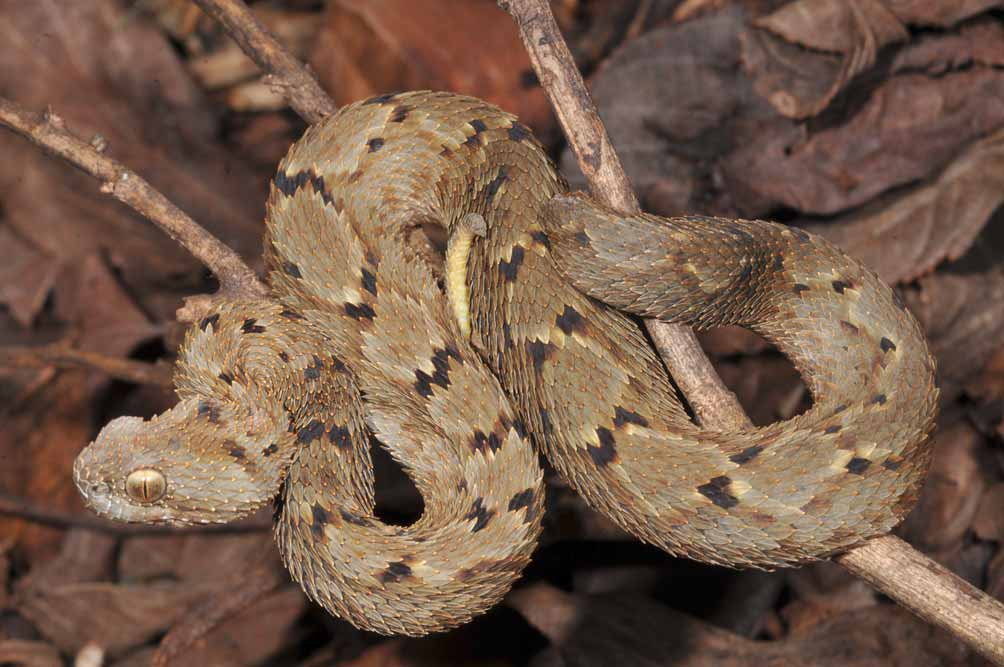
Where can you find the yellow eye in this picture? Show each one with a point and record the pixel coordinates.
(146, 485)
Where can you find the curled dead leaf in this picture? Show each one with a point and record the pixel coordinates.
(790, 77)
(905, 236)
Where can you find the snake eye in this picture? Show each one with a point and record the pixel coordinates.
(146, 485)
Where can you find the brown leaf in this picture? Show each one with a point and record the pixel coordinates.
(904, 237)
(105, 71)
(909, 128)
(951, 496)
(768, 387)
(676, 103)
(980, 41)
(995, 575)
(129, 614)
(800, 84)
(988, 524)
(85, 555)
(937, 13)
(368, 47)
(498, 639)
(46, 429)
(252, 635)
(790, 78)
(26, 280)
(840, 26)
(23, 653)
(196, 558)
(986, 390)
(963, 317)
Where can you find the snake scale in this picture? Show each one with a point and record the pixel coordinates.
(526, 334)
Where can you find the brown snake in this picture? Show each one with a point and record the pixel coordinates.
(281, 395)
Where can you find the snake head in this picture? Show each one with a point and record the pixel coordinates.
(186, 466)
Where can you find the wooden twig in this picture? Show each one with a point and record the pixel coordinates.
(22, 508)
(888, 563)
(48, 131)
(930, 591)
(287, 75)
(62, 356)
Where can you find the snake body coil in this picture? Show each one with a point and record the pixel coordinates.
(279, 396)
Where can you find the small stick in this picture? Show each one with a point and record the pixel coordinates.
(62, 356)
(287, 76)
(930, 591)
(48, 131)
(888, 563)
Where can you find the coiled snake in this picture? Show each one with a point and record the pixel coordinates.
(521, 338)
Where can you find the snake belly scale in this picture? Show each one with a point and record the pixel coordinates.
(528, 337)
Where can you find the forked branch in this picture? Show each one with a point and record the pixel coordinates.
(49, 132)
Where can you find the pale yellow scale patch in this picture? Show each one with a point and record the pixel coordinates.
(866, 450)
(840, 460)
(306, 513)
(548, 334)
(739, 487)
(528, 241)
(458, 252)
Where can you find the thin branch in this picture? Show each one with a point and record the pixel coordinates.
(22, 508)
(49, 132)
(61, 356)
(888, 563)
(288, 76)
(587, 137)
(930, 591)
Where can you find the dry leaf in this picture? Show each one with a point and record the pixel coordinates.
(905, 237)
(105, 71)
(676, 104)
(910, 127)
(26, 280)
(51, 425)
(963, 317)
(980, 42)
(253, 635)
(23, 653)
(85, 555)
(951, 496)
(368, 47)
(938, 12)
(790, 78)
(197, 558)
(995, 576)
(988, 524)
(634, 630)
(128, 615)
